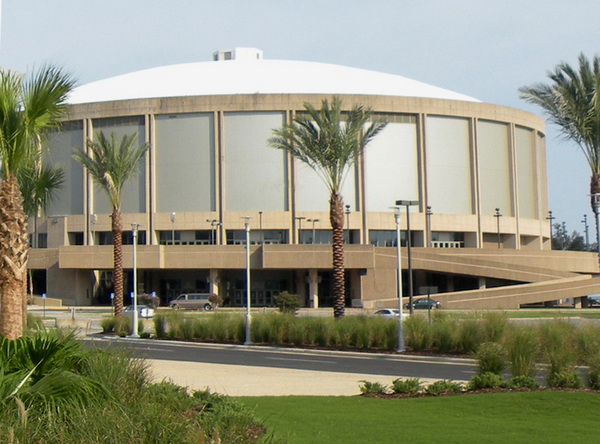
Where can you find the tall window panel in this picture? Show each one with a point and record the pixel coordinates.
(185, 162)
(448, 156)
(134, 192)
(68, 199)
(494, 168)
(527, 179)
(255, 174)
(392, 164)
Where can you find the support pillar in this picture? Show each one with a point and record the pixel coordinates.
(213, 281)
(313, 288)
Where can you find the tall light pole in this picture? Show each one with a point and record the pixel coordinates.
(551, 219)
(428, 214)
(262, 236)
(401, 348)
(313, 228)
(94, 220)
(408, 204)
(248, 285)
(134, 326)
(497, 215)
(299, 219)
(586, 231)
(214, 223)
(348, 221)
(173, 228)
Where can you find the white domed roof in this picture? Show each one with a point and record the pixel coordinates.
(258, 76)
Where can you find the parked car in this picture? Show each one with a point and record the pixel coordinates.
(193, 301)
(390, 313)
(424, 304)
(143, 311)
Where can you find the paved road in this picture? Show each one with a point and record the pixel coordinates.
(254, 370)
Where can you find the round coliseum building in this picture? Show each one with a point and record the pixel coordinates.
(479, 234)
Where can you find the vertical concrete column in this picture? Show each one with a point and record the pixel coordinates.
(313, 288)
(482, 283)
(213, 283)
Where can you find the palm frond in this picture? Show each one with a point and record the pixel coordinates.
(329, 140)
(111, 162)
(572, 102)
(38, 186)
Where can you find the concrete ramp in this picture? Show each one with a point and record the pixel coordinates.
(513, 296)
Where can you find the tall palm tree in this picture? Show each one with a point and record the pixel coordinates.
(29, 109)
(572, 102)
(111, 163)
(330, 141)
(38, 184)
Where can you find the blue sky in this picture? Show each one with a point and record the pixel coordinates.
(485, 49)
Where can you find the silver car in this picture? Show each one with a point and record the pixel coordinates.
(192, 301)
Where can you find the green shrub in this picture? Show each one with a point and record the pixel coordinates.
(287, 302)
(523, 382)
(408, 386)
(373, 388)
(418, 333)
(522, 345)
(491, 358)
(564, 380)
(487, 380)
(444, 386)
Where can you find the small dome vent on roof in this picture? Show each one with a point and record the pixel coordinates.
(238, 54)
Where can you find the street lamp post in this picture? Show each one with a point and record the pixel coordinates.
(348, 221)
(551, 219)
(586, 231)
(313, 228)
(408, 204)
(497, 215)
(214, 223)
(429, 236)
(134, 326)
(262, 236)
(299, 219)
(401, 348)
(248, 285)
(173, 228)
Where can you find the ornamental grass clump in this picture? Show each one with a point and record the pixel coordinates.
(523, 347)
(469, 335)
(160, 326)
(418, 333)
(494, 326)
(444, 333)
(491, 358)
(558, 347)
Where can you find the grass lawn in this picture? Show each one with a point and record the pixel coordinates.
(532, 417)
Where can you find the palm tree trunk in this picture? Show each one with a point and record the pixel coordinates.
(14, 251)
(336, 217)
(117, 230)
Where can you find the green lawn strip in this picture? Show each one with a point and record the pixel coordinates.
(544, 416)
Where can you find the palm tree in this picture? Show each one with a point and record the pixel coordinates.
(111, 163)
(572, 102)
(330, 141)
(38, 184)
(29, 109)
